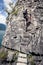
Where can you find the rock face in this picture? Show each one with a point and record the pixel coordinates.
(25, 28)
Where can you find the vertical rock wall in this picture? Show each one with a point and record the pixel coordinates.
(16, 36)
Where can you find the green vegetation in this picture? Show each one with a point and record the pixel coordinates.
(15, 55)
(30, 57)
(32, 63)
(15, 12)
(3, 55)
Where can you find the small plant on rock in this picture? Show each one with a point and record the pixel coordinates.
(3, 55)
(15, 12)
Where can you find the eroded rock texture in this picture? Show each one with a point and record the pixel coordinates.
(25, 29)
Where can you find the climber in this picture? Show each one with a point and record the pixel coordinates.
(25, 15)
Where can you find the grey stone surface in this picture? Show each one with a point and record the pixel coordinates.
(16, 36)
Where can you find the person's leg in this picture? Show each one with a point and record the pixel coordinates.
(26, 26)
